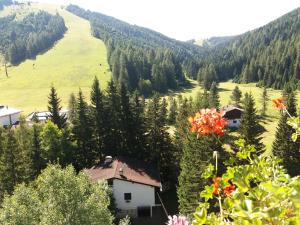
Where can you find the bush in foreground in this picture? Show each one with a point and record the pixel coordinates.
(58, 196)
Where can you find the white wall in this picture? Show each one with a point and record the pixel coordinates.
(141, 195)
(5, 120)
(231, 124)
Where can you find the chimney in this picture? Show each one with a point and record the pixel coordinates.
(108, 159)
(121, 171)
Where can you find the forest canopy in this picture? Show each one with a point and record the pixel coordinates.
(23, 39)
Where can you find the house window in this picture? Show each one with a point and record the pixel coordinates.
(127, 197)
(234, 121)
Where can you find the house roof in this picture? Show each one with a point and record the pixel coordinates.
(126, 169)
(44, 115)
(232, 112)
(5, 111)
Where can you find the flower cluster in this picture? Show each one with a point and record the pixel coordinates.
(279, 103)
(208, 121)
(177, 220)
(217, 190)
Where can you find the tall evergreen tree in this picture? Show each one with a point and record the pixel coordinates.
(98, 116)
(210, 76)
(214, 101)
(250, 129)
(55, 108)
(72, 107)
(84, 155)
(139, 130)
(197, 153)
(23, 136)
(236, 96)
(283, 146)
(11, 162)
(113, 137)
(264, 101)
(160, 146)
(172, 110)
(126, 122)
(37, 160)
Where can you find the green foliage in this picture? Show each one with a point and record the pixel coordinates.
(27, 38)
(285, 146)
(98, 115)
(250, 129)
(213, 97)
(236, 96)
(140, 58)
(264, 101)
(51, 146)
(58, 196)
(82, 131)
(54, 108)
(263, 193)
(125, 221)
(268, 55)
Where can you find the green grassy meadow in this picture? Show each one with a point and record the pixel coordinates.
(225, 88)
(72, 63)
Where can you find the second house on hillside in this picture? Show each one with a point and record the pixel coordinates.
(233, 115)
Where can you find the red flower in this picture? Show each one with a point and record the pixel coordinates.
(208, 121)
(279, 103)
(216, 188)
(228, 189)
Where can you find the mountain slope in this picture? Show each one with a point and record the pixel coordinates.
(141, 58)
(72, 63)
(269, 55)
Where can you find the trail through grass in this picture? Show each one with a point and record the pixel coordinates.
(71, 64)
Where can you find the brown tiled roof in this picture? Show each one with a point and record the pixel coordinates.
(133, 171)
(232, 112)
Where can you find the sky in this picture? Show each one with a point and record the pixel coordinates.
(191, 19)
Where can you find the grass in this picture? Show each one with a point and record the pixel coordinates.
(269, 122)
(71, 64)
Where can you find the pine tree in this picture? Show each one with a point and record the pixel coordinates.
(23, 136)
(139, 130)
(113, 137)
(210, 76)
(236, 96)
(205, 100)
(55, 108)
(98, 116)
(283, 146)
(181, 126)
(10, 173)
(213, 97)
(160, 146)
(197, 154)
(264, 101)
(37, 161)
(84, 155)
(126, 124)
(172, 110)
(72, 107)
(250, 129)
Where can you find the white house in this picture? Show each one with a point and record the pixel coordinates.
(135, 185)
(9, 116)
(232, 115)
